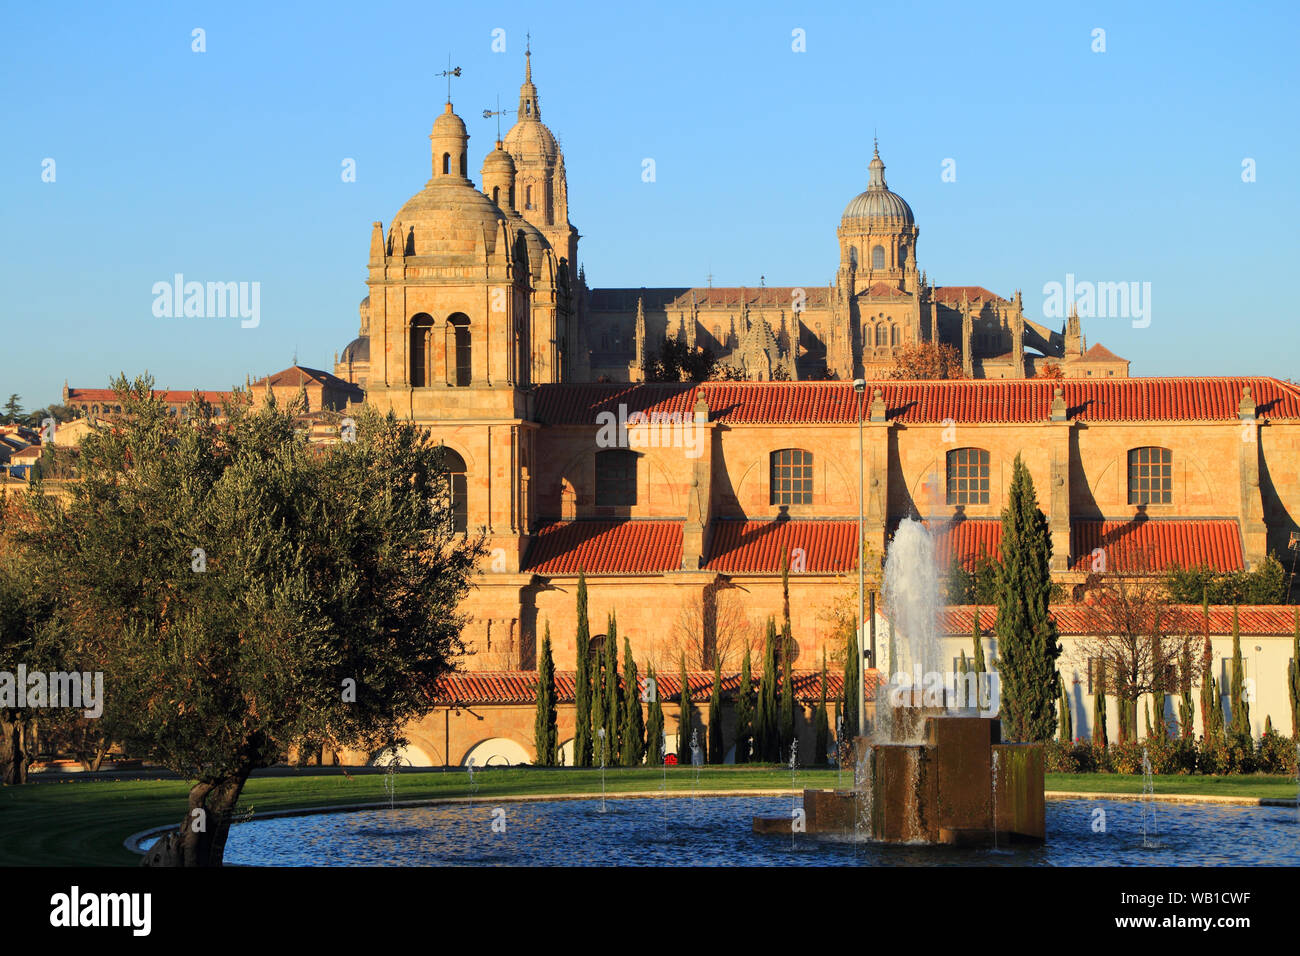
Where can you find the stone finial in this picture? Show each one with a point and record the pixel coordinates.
(376, 242)
(877, 405)
(1058, 404)
(1246, 409)
(701, 408)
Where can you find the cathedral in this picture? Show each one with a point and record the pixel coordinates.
(479, 327)
(507, 253)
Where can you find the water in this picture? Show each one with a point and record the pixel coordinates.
(1148, 803)
(575, 833)
(601, 733)
(469, 769)
(911, 594)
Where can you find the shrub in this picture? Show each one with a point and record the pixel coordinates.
(1126, 756)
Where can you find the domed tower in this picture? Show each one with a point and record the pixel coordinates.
(542, 197)
(550, 302)
(879, 284)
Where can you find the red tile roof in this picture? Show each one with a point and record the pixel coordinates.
(705, 297)
(1158, 542)
(520, 687)
(1073, 619)
(953, 294)
(1099, 353)
(171, 396)
(606, 547)
(756, 547)
(967, 401)
(883, 290)
(966, 540)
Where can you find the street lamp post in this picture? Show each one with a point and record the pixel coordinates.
(860, 388)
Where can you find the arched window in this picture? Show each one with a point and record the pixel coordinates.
(616, 478)
(1150, 476)
(968, 476)
(496, 195)
(881, 332)
(791, 477)
(457, 489)
(464, 356)
(893, 335)
(446, 164)
(853, 257)
(902, 253)
(528, 196)
(878, 257)
(421, 339)
(464, 167)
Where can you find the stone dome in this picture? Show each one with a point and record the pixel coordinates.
(531, 140)
(447, 217)
(878, 202)
(358, 350)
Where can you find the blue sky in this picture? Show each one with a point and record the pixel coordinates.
(225, 165)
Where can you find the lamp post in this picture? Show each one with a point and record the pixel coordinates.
(860, 388)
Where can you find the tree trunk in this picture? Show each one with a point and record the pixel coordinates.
(200, 840)
(14, 755)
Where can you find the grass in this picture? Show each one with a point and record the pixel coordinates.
(83, 822)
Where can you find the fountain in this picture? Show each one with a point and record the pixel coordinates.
(1148, 803)
(601, 734)
(927, 773)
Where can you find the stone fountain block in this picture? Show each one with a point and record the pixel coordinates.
(1021, 809)
(964, 762)
(829, 811)
(773, 824)
(907, 724)
(904, 794)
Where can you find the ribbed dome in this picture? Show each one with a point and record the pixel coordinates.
(529, 140)
(358, 350)
(878, 202)
(449, 124)
(447, 217)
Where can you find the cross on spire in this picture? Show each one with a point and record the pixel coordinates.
(449, 73)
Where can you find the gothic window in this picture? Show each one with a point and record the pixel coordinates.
(968, 476)
(421, 337)
(457, 489)
(616, 478)
(878, 257)
(464, 356)
(791, 482)
(1150, 476)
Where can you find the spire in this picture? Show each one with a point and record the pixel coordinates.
(529, 107)
(876, 168)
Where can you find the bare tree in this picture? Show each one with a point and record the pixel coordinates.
(711, 626)
(1144, 643)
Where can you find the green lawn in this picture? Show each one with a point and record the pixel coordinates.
(83, 822)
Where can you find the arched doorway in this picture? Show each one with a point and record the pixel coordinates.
(497, 752)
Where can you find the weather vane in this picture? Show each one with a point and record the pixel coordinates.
(498, 113)
(449, 73)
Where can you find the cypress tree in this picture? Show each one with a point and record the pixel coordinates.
(745, 711)
(1065, 728)
(654, 727)
(684, 719)
(1293, 679)
(599, 719)
(1125, 727)
(849, 706)
(1099, 705)
(766, 740)
(1240, 706)
(1147, 704)
(787, 717)
(977, 639)
(1027, 636)
(582, 682)
(545, 734)
(1211, 709)
(716, 750)
(613, 694)
(632, 744)
(821, 723)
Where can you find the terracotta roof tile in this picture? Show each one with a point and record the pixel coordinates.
(606, 547)
(174, 396)
(1158, 542)
(1099, 353)
(967, 401)
(1264, 620)
(953, 294)
(756, 547)
(520, 687)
